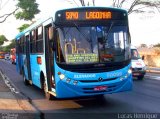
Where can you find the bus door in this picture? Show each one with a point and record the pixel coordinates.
(49, 56)
(28, 58)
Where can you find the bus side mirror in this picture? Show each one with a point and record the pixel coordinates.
(143, 57)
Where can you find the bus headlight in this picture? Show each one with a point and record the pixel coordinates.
(61, 76)
(130, 71)
(126, 76)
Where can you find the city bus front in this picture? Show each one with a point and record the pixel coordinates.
(92, 53)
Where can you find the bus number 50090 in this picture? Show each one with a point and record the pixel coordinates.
(71, 15)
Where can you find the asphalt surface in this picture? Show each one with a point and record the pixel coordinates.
(143, 99)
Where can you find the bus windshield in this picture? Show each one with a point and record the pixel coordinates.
(93, 44)
(134, 54)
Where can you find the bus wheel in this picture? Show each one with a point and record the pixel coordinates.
(140, 77)
(47, 95)
(26, 82)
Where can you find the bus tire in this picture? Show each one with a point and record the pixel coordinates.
(140, 77)
(26, 82)
(47, 95)
(44, 87)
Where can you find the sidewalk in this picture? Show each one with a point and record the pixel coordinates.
(153, 69)
(13, 105)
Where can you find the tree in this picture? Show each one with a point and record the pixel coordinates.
(26, 10)
(137, 6)
(10, 46)
(29, 8)
(157, 45)
(2, 39)
(24, 26)
(143, 46)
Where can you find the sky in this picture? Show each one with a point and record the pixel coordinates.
(144, 29)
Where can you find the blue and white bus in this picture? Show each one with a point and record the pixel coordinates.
(77, 52)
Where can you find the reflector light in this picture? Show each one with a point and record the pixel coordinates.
(68, 80)
(75, 82)
(59, 73)
(39, 60)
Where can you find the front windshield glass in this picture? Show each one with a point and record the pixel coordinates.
(95, 44)
(135, 54)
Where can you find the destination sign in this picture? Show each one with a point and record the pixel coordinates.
(88, 15)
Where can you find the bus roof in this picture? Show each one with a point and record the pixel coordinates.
(53, 17)
(31, 27)
(93, 7)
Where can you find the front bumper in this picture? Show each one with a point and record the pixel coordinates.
(136, 73)
(70, 91)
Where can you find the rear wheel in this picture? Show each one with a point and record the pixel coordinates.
(45, 89)
(26, 82)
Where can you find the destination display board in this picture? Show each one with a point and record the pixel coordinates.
(90, 14)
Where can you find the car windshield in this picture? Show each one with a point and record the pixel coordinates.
(135, 54)
(94, 44)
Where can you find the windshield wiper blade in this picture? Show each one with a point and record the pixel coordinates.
(84, 35)
(110, 28)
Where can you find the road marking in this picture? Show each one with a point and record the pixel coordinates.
(10, 85)
(153, 77)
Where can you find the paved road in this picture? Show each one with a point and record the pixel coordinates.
(144, 98)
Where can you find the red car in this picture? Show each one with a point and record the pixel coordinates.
(13, 55)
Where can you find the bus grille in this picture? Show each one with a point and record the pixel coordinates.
(94, 81)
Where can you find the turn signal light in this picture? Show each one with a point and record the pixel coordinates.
(39, 60)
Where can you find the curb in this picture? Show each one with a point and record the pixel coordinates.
(27, 110)
(153, 71)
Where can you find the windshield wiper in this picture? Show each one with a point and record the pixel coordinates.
(84, 35)
(109, 31)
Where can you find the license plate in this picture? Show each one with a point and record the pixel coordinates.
(100, 88)
(135, 74)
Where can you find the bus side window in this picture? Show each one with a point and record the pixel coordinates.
(39, 40)
(60, 57)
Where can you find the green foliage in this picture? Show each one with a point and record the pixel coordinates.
(23, 27)
(29, 8)
(10, 46)
(2, 39)
(143, 46)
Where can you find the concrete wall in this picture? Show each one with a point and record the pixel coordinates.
(151, 56)
(152, 60)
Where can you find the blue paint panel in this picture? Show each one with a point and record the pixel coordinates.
(35, 69)
(87, 82)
